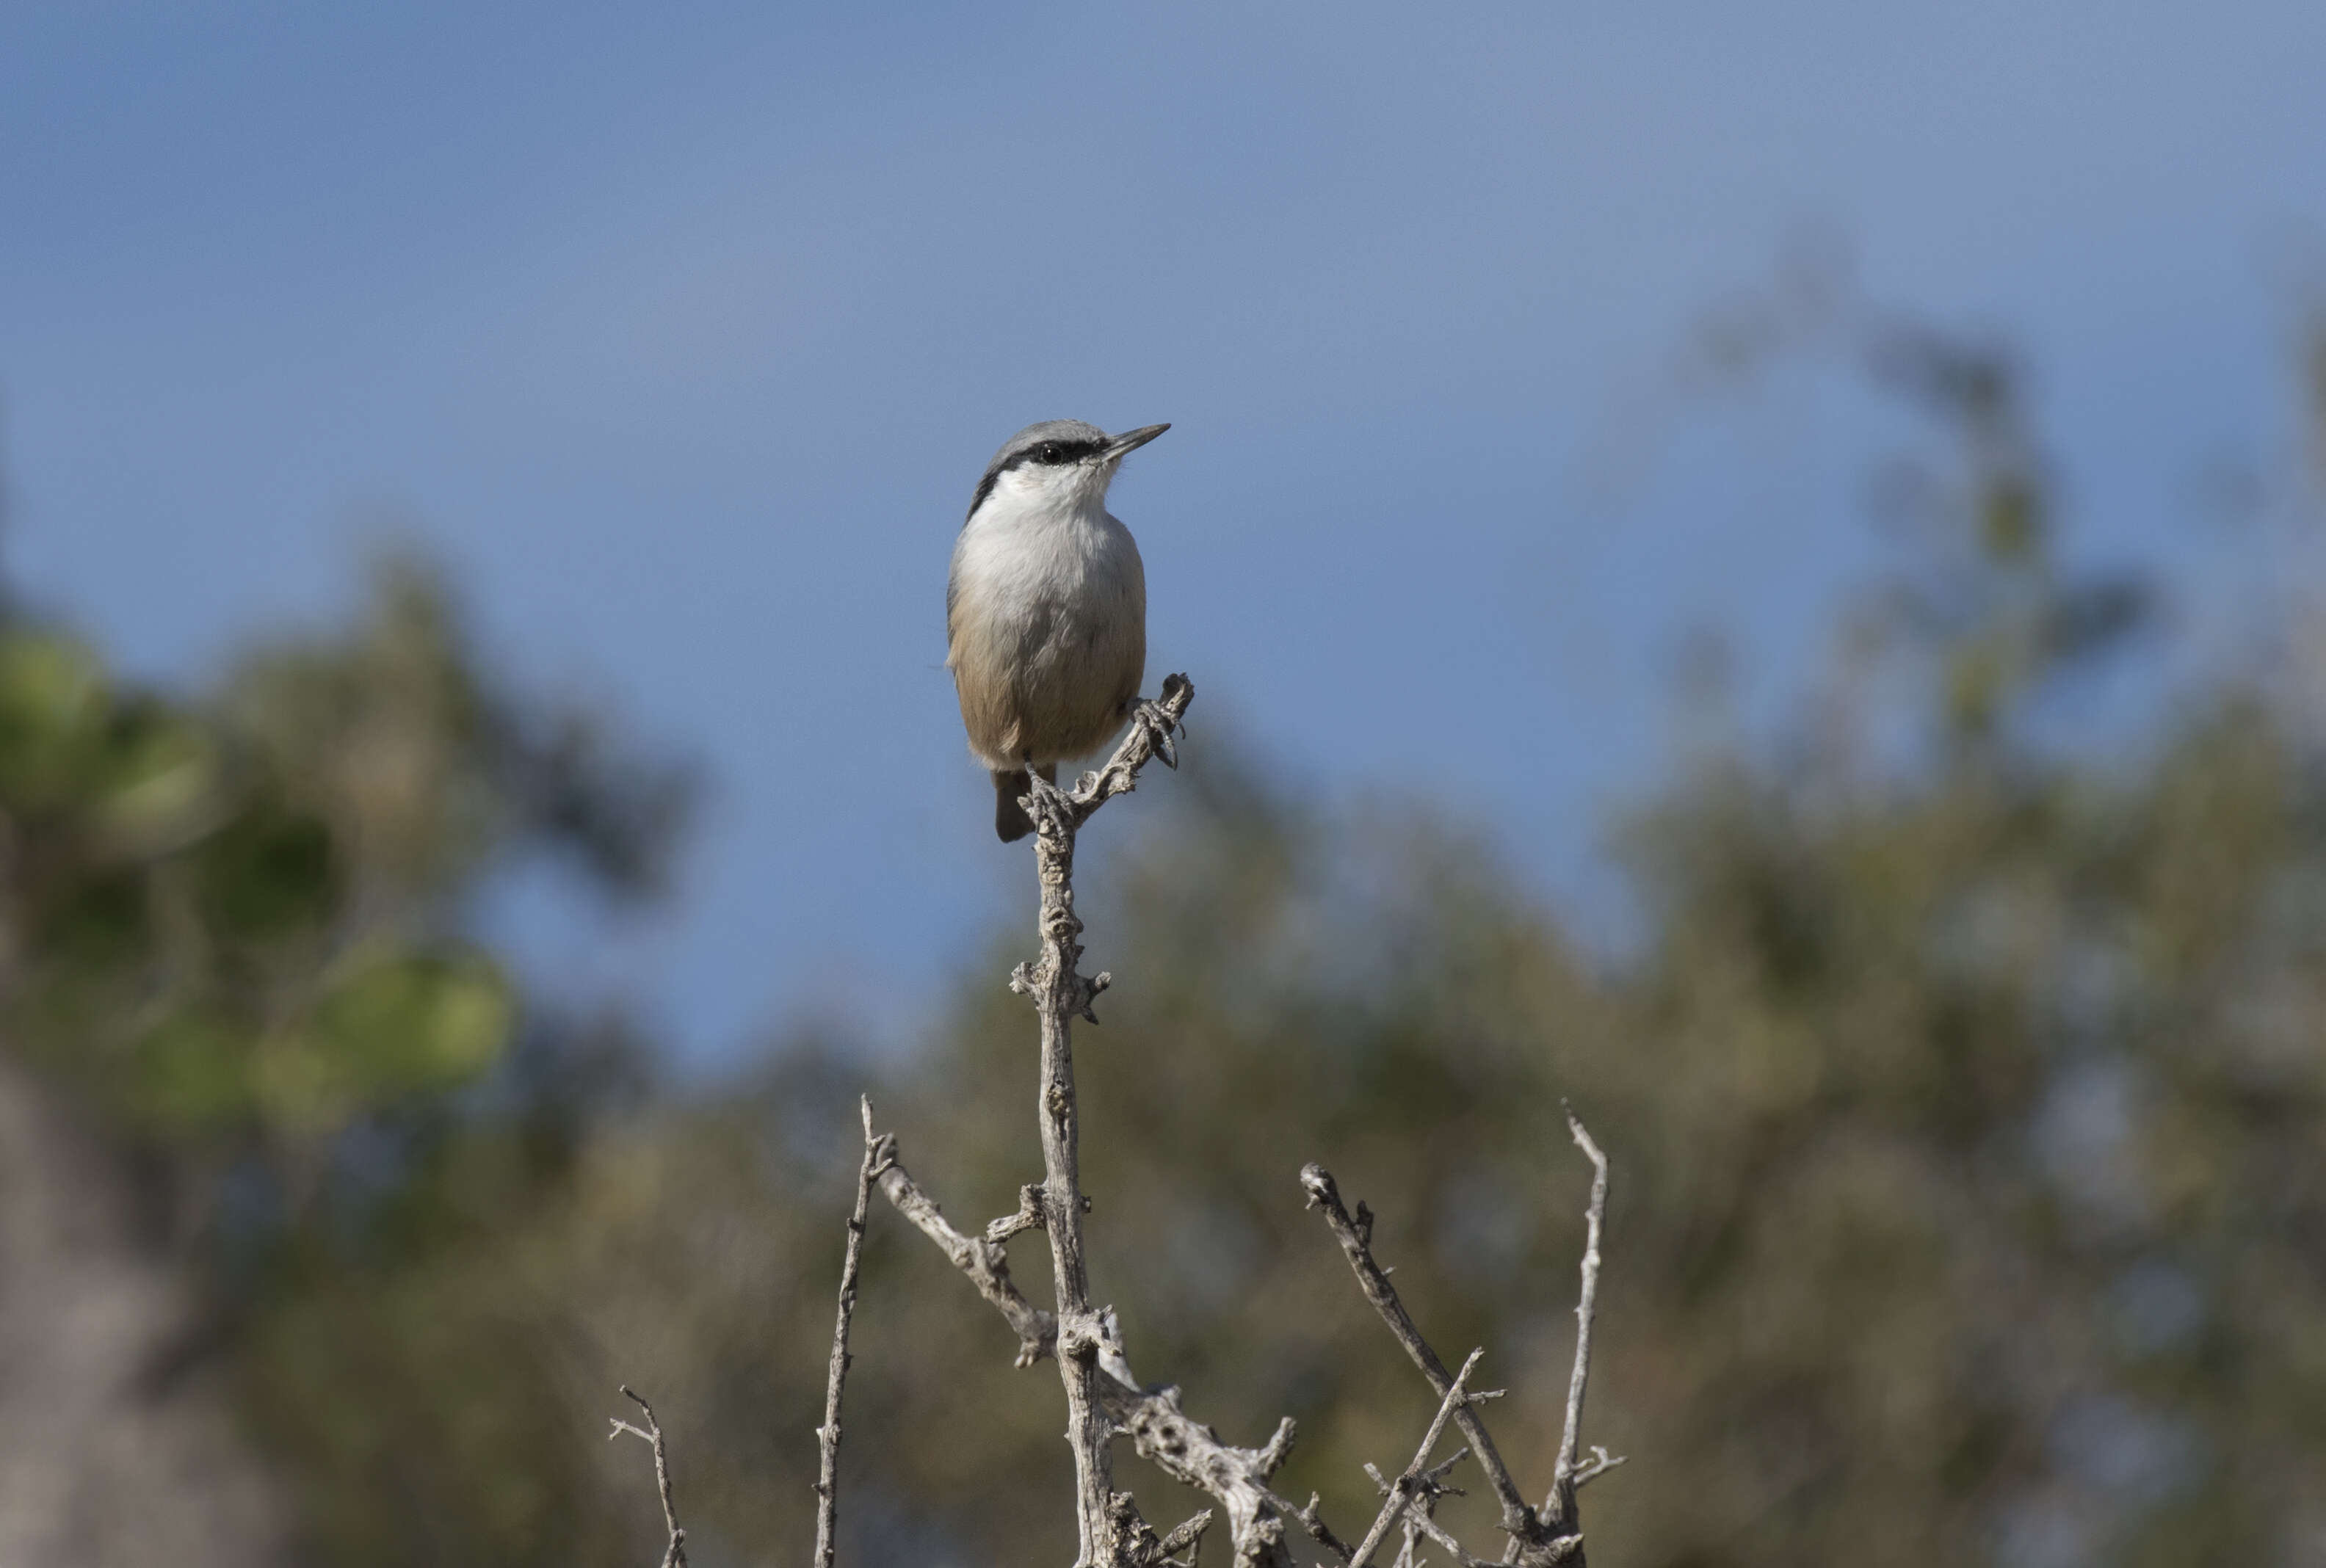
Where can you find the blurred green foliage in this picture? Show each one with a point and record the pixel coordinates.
(1966, 1090)
(237, 926)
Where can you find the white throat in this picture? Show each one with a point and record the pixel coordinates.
(1033, 496)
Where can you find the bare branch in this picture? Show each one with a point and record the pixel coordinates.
(1061, 994)
(1435, 1476)
(1311, 1518)
(1152, 727)
(1183, 1448)
(1418, 1522)
(1403, 1489)
(1560, 1510)
(676, 1556)
(1192, 1453)
(1184, 1535)
(880, 1153)
(1519, 1521)
(1135, 1544)
(1028, 1216)
(1424, 1525)
(1420, 1508)
(1278, 1447)
(984, 1261)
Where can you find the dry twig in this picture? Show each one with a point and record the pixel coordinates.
(1419, 1524)
(981, 1259)
(1355, 1237)
(676, 1556)
(1405, 1488)
(879, 1153)
(1432, 1487)
(1135, 1544)
(1560, 1509)
(1310, 1518)
(1183, 1448)
(1062, 994)
(1553, 1534)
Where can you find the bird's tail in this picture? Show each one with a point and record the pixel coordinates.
(1009, 817)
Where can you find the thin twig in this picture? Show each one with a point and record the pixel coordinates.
(1519, 1521)
(1437, 1474)
(1417, 1519)
(676, 1556)
(879, 1153)
(1187, 1535)
(1310, 1517)
(1152, 727)
(1135, 1543)
(1400, 1490)
(1560, 1509)
(1028, 1216)
(984, 1261)
(1278, 1447)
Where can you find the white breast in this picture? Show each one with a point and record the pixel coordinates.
(1017, 565)
(1046, 626)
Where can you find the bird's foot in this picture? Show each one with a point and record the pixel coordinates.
(1044, 800)
(1152, 717)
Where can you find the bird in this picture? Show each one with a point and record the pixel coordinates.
(1046, 608)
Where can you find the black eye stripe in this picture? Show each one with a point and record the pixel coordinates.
(1052, 454)
(1042, 454)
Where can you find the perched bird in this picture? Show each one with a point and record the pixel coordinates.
(1046, 608)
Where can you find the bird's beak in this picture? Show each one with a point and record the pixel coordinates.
(1129, 441)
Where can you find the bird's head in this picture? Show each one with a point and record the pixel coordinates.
(1059, 463)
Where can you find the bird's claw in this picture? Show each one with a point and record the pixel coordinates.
(1042, 796)
(1159, 724)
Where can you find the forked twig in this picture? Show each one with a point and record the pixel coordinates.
(676, 1556)
(1182, 1447)
(1401, 1489)
(1355, 1237)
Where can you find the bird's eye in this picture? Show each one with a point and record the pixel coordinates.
(1050, 452)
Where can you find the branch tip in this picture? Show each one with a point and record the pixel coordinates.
(674, 1556)
(1560, 1512)
(1355, 1236)
(879, 1156)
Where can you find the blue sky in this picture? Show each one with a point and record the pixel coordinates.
(682, 332)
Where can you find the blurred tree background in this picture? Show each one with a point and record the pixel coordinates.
(1966, 1087)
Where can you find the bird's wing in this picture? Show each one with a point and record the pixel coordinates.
(953, 605)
